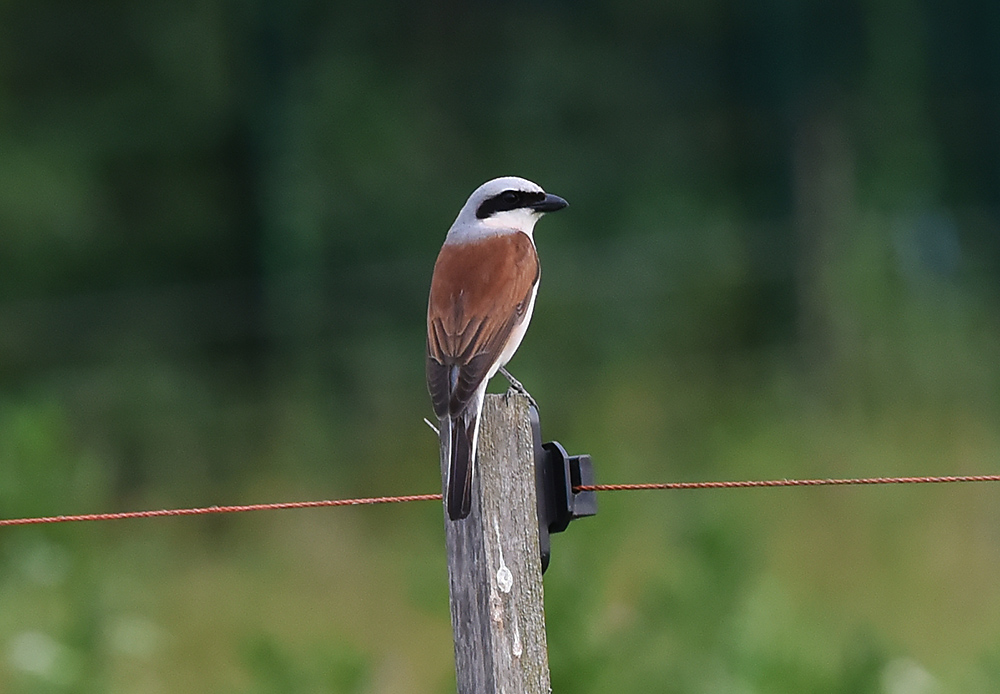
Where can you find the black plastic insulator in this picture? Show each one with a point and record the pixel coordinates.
(557, 475)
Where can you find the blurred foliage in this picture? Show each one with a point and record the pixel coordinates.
(217, 226)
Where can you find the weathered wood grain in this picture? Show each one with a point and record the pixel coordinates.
(494, 568)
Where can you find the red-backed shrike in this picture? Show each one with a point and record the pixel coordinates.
(482, 294)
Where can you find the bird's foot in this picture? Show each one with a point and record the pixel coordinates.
(516, 385)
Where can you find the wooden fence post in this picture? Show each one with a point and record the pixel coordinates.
(494, 567)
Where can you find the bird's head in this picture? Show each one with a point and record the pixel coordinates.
(509, 202)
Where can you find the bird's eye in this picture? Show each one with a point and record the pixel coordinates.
(511, 198)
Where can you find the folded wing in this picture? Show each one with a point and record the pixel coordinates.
(480, 293)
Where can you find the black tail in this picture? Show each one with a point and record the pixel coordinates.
(463, 429)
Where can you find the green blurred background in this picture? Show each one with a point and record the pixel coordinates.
(218, 221)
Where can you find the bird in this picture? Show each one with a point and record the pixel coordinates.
(481, 298)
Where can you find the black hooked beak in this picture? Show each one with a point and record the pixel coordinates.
(550, 203)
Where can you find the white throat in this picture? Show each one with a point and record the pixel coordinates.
(520, 220)
(500, 223)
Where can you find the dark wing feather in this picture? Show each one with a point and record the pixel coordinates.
(439, 377)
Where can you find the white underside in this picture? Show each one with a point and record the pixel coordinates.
(516, 335)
